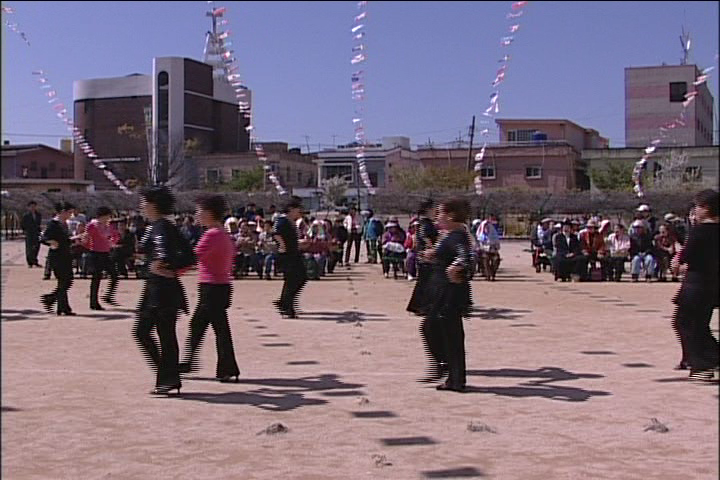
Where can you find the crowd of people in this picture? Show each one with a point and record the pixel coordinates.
(442, 250)
(598, 250)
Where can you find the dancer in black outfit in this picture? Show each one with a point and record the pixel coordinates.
(698, 294)
(163, 295)
(425, 236)
(57, 237)
(289, 257)
(451, 300)
(215, 254)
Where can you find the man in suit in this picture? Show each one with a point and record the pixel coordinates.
(568, 253)
(31, 227)
(57, 237)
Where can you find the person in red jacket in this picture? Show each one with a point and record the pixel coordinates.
(593, 246)
(100, 238)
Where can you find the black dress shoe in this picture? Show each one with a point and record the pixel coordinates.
(229, 379)
(96, 307)
(68, 313)
(681, 366)
(165, 390)
(184, 367)
(453, 388)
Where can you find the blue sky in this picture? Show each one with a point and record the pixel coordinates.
(429, 67)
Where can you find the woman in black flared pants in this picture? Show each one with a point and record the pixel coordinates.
(215, 254)
(698, 294)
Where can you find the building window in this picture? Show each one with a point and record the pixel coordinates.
(236, 173)
(533, 172)
(299, 178)
(54, 190)
(33, 166)
(521, 135)
(692, 174)
(678, 91)
(342, 171)
(373, 179)
(163, 79)
(213, 175)
(86, 106)
(52, 167)
(487, 172)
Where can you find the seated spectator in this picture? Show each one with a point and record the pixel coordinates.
(245, 244)
(267, 251)
(593, 247)
(641, 252)
(665, 248)
(191, 231)
(568, 259)
(393, 247)
(541, 244)
(619, 245)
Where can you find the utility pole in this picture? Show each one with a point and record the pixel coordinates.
(333, 137)
(307, 142)
(472, 136)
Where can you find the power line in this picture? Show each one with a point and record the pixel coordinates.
(36, 135)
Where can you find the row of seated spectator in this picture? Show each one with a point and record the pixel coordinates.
(598, 253)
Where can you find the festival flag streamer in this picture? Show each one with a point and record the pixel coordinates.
(14, 26)
(494, 106)
(61, 112)
(358, 95)
(233, 76)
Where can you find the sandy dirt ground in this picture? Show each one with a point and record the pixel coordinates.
(564, 379)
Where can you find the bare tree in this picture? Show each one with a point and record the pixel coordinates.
(334, 190)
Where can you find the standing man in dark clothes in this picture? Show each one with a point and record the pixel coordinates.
(425, 236)
(163, 295)
(289, 257)
(30, 224)
(339, 238)
(57, 237)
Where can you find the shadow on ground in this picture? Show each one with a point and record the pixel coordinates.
(539, 387)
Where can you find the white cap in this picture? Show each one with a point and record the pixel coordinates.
(643, 208)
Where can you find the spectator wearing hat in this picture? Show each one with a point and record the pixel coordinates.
(641, 252)
(541, 243)
(393, 245)
(593, 247)
(644, 213)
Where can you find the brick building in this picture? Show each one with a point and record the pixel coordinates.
(39, 167)
(654, 97)
(293, 169)
(535, 154)
(137, 121)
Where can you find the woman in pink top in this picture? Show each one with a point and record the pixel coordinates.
(100, 237)
(215, 254)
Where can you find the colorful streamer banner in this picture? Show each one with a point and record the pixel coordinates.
(231, 69)
(61, 112)
(494, 104)
(357, 88)
(641, 165)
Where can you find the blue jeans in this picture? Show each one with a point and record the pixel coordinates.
(270, 260)
(642, 262)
